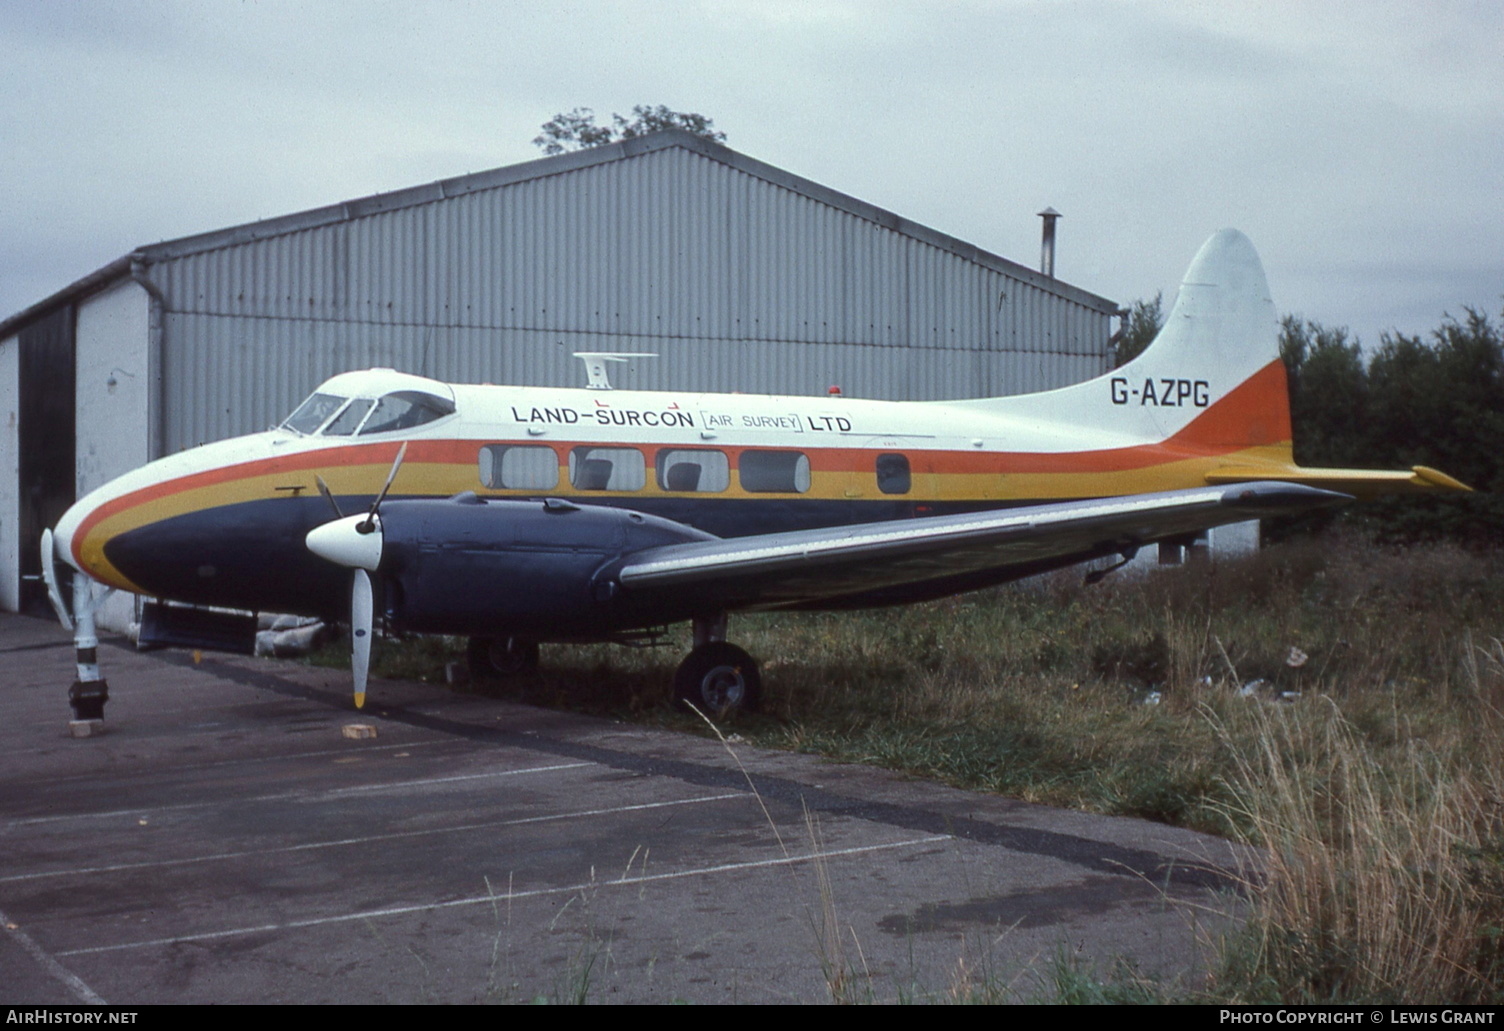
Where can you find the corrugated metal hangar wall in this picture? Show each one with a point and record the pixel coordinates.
(741, 276)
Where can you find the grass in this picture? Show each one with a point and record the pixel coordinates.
(1375, 795)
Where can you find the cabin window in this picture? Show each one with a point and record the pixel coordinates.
(405, 409)
(313, 413)
(893, 474)
(700, 471)
(525, 467)
(607, 468)
(774, 472)
(345, 422)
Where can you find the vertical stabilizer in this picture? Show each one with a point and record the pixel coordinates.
(1222, 324)
(1213, 374)
(1211, 380)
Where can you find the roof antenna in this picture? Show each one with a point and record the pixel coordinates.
(595, 365)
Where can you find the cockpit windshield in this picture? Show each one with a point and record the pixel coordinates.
(313, 413)
(399, 410)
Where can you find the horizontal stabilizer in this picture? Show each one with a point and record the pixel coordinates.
(1361, 483)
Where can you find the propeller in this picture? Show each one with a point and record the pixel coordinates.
(328, 496)
(355, 542)
(360, 634)
(370, 523)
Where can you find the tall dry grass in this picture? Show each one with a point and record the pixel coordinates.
(1380, 876)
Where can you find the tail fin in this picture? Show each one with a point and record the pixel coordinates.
(1213, 377)
(1212, 380)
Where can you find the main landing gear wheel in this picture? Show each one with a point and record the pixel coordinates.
(718, 678)
(500, 658)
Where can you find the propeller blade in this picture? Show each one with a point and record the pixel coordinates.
(328, 496)
(361, 611)
(370, 522)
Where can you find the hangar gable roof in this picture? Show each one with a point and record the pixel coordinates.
(460, 186)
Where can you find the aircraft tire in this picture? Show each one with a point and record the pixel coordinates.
(501, 658)
(718, 679)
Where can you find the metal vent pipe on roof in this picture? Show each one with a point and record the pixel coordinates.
(1047, 242)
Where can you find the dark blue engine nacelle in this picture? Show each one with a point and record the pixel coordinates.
(469, 566)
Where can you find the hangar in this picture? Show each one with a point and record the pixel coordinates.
(739, 275)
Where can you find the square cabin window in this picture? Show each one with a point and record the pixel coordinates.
(893, 474)
(521, 467)
(607, 468)
(698, 470)
(774, 472)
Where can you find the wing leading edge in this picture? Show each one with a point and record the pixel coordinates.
(893, 561)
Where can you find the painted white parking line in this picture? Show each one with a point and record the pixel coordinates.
(305, 793)
(312, 846)
(492, 899)
(75, 984)
(190, 768)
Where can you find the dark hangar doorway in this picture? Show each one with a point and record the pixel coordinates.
(46, 438)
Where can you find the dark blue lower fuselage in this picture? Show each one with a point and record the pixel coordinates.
(252, 556)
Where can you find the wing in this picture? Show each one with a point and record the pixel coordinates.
(910, 560)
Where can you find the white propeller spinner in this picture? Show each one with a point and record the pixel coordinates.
(353, 542)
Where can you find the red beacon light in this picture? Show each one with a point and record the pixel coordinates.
(834, 390)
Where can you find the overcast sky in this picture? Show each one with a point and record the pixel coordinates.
(1359, 144)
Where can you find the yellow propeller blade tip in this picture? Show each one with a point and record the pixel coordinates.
(360, 700)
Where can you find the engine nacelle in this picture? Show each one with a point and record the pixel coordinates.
(472, 566)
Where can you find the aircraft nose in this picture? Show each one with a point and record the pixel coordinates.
(348, 542)
(67, 528)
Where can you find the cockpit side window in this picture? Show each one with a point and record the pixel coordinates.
(404, 409)
(313, 413)
(344, 424)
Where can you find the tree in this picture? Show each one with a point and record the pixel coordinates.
(1328, 393)
(576, 130)
(1440, 402)
(1140, 327)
